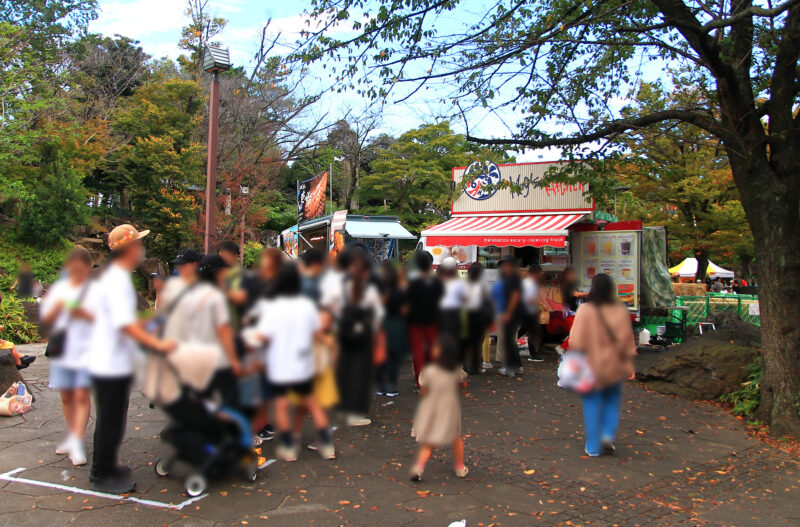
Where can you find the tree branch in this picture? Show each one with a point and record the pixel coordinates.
(616, 127)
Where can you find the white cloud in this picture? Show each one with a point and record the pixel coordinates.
(140, 19)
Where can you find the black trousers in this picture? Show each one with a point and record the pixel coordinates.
(510, 330)
(534, 331)
(473, 350)
(111, 396)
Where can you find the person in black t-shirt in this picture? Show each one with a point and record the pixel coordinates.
(511, 319)
(395, 302)
(424, 293)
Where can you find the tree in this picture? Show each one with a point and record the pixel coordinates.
(202, 29)
(680, 177)
(349, 137)
(162, 166)
(55, 205)
(559, 64)
(415, 171)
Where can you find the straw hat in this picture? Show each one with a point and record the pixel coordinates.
(123, 235)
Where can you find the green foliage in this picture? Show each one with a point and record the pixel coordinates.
(281, 211)
(17, 328)
(55, 205)
(414, 172)
(45, 262)
(163, 164)
(746, 399)
(251, 253)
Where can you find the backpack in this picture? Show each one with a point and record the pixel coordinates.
(355, 324)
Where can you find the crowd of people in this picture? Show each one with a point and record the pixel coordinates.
(291, 339)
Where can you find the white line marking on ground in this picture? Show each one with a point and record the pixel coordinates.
(9, 476)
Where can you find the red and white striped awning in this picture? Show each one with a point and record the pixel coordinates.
(518, 231)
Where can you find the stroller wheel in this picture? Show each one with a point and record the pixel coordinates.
(251, 474)
(161, 468)
(195, 485)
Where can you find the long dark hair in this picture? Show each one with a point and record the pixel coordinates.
(449, 353)
(602, 291)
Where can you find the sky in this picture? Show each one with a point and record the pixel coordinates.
(157, 25)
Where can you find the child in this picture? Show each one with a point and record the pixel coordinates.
(289, 324)
(438, 418)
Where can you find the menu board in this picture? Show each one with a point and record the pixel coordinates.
(615, 253)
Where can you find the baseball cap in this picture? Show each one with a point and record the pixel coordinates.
(449, 263)
(186, 255)
(212, 262)
(122, 235)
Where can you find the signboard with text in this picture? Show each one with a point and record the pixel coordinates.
(516, 189)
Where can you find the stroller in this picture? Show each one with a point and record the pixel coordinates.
(213, 442)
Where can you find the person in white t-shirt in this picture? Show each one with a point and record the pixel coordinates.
(62, 309)
(197, 313)
(454, 300)
(115, 334)
(288, 324)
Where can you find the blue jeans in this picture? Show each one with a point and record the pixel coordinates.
(601, 417)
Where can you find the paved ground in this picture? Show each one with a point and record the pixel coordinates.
(678, 463)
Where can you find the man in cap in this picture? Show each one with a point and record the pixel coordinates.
(115, 334)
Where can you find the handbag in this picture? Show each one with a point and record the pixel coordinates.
(58, 339)
(355, 324)
(574, 372)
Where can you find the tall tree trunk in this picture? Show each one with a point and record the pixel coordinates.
(771, 204)
(701, 255)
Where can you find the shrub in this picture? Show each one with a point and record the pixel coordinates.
(746, 399)
(17, 328)
(251, 252)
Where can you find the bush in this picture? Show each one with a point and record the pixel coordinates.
(45, 263)
(746, 399)
(251, 252)
(17, 328)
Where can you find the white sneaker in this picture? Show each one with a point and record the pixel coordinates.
(326, 451)
(487, 366)
(505, 372)
(520, 371)
(560, 350)
(356, 420)
(78, 453)
(65, 446)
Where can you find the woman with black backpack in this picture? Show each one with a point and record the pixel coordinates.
(361, 316)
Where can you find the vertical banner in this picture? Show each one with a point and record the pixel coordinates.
(311, 197)
(338, 223)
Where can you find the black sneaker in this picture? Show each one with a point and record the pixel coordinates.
(535, 357)
(25, 361)
(267, 433)
(117, 483)
(608, 447)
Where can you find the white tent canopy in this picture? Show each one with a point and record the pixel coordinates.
(688, 267)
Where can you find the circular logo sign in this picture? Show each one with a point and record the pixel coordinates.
(483, 180)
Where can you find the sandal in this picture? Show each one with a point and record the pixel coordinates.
(416, 473)
(462, 471)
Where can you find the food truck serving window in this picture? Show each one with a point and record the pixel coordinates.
(489, 256)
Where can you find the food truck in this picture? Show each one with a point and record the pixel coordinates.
(553, 225)
(379, 236)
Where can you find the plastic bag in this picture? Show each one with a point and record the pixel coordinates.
(574, 373)
(16, 400)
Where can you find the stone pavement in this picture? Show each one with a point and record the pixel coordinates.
(678, 462)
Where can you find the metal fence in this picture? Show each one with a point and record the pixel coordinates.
(700, 307)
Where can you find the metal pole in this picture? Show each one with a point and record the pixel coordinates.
(330, 184)
(211, 165)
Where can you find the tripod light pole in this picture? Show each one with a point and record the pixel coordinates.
(215, 60)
